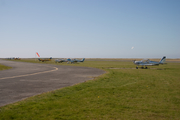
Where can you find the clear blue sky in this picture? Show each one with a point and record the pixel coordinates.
(90, 28)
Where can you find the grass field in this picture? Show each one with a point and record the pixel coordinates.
(118, 94)
(2, 67)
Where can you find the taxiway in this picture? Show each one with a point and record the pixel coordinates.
(29, 79)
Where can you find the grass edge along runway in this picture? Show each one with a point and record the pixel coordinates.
(118, 94)
(3, 67)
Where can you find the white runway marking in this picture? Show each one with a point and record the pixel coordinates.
(30, 74)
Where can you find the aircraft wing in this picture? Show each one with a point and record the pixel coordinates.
(146, 64)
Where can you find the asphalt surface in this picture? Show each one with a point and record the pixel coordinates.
(29, 79)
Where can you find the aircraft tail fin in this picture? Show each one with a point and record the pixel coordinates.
(162, 60)
(83, 59)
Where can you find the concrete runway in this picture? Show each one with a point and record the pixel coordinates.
(29, 79)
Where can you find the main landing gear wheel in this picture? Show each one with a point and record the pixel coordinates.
(142, 67)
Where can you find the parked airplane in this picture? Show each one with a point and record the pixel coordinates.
(45, 59)
(14, 58)
(17, 58)
(75, 60)
(147, 62)
(60, 60)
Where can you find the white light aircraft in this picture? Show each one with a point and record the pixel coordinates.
(75, 60)
(60, 60)
(147, 62)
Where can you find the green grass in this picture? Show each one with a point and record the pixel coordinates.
(118, 94)
(3, 67)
